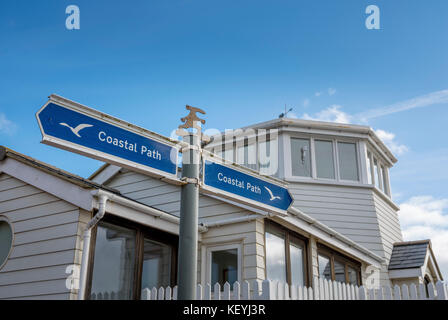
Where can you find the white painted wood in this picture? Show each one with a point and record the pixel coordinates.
(405, 292)
(397, 293)
(175, 293)
(413, 295)
(199, 292)
(422, 291)
(236, 290)
(226, 293)
(441, 291)
(245, 291)
(217, 291)
(168, 293)
(293, 292)
(431, 291)
(146, 294)
(208, 292)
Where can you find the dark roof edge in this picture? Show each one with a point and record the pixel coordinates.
(406, 243)
(6, 152)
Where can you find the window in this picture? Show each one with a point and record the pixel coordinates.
(224, 266)
(275, 255)
(324, 159)
(113, 271)
(226, 154)
(369, 168)
(376, 172)
(285, 255)
(301, 157)
(156, 271)
(268, 157)
(337, 267)
(6, 239)
(348, 161)
(246, 156)
(126, 258)
(324, 266)
(385, 184)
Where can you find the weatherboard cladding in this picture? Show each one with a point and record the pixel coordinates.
(405, 256)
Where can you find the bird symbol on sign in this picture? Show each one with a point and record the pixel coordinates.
(272, 196)
(77, 129)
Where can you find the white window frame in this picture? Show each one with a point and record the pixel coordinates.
(212, 248)
(13, 236)
(385, 189)
(334, 141)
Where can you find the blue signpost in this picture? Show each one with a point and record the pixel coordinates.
(74, 127)
(237, 184)
(82, 130)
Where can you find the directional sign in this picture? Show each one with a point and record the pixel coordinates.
(74, 127)
(236, 183)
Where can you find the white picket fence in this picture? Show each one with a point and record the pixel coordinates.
(322, 290)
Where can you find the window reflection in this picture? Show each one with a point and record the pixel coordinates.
(297, 272)
(301, 157)
(352, 276)
(113, 266)
(275, 257)
(156, 271)
(339, 271)
(224, 266)
(324, 267)
(324, 159)
(348, 161)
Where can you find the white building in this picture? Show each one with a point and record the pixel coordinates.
(343, 224)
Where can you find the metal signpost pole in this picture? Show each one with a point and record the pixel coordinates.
(189, 207)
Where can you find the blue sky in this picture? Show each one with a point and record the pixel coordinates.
(241, 61)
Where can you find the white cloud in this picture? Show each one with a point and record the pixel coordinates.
(306, 102)
(331, 91)
(417, 102)
(317, 94)
(425, 217)
(331, 114)
(6, 126)
(389, 139)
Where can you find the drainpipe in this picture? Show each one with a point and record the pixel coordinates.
(86, 245)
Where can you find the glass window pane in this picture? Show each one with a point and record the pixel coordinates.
(224, 267)
(300, 157)
(348, 161)
(324, 159)
(5, 241)
(226, 154)
(297, 268)
(352, 276)
(156, 271)
(384, 175)
(369, 168)
(377, 173)
(246, 156)
(339, 271)
(324, 267)
(275, 256)
(113, 269)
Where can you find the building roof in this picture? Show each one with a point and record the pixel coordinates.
(411, 254)
(84, 183)
(327, 126)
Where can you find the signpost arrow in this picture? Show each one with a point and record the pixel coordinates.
(235, 183)
(77, 128)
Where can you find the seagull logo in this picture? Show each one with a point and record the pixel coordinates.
(77, 129)
(272, 196)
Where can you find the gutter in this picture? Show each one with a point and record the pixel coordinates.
(86, 245)
(220, 223)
